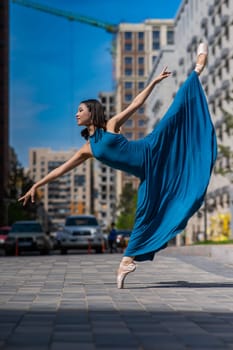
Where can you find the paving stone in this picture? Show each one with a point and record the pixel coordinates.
(71, 302)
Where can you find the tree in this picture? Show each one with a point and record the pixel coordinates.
(225, 151)
(127, 207)
(19, 182)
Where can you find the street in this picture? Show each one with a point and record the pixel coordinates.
(71, 302)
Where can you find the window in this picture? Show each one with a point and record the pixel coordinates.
(128, 47)
(156, 39)
(141, 72)
(140, 60)
(154, 59)
(128, 85)
(129, 135)
(156, 35)
(141, 135)
(128, 71)
(141, 85)
(128, 97)
(128, 35)
(156, 46)
(141, 110)
(128, 60)
(170, 37)
(141, 122)
(129, 123)
(140, 47)
(79, 180)
(140, 35)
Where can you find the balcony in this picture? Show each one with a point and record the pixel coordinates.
(189, 47)
(217, 31)
(217, 62)
(211, 99)
(217, 93)
(224, 20)
(181, 61)
(225, 52)
(225, 84)
(211, 69)
(204, 22)
(218, 123)
(211, 39)
(211, 10)
(204, 79)
(194, 40)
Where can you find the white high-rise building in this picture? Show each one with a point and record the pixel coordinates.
(209, 21)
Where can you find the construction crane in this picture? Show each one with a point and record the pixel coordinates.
(110, 28)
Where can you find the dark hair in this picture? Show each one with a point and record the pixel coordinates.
(97, 115)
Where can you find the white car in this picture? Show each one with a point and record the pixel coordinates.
(81, 232)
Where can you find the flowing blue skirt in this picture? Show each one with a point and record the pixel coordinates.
(180, 154)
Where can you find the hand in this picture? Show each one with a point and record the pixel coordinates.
(164, 74)
(30, 194)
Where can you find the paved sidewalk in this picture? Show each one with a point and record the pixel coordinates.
(71, 303)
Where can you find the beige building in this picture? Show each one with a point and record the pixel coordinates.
(137, 47)
(67, 195)
(104, 176)
(210, 21)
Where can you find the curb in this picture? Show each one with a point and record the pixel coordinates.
(223, 253)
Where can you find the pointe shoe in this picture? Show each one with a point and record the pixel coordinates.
(125, 270)
(202, 50)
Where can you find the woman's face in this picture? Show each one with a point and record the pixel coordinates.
(83, 115)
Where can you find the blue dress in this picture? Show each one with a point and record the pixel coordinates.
(174, 164)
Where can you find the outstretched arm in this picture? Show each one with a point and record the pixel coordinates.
(115, 123)
(78, 158)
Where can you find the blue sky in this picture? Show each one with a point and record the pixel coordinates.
(55, 63)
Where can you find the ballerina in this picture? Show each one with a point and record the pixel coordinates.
(173, 162)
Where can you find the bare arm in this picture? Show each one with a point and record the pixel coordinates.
(78, 158)
(115, 123)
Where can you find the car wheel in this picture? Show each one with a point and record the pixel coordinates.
(44, 252)
(9, 252)
(99, 250)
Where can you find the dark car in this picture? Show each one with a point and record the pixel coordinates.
(4, 230)
(27, 236)
(81, 232)
(122, 238)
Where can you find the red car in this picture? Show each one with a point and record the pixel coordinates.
(4, 230)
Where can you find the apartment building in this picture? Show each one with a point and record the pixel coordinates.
(105, 177)
(68, 195)
(137, 47)
(211, 21)
(4, 109)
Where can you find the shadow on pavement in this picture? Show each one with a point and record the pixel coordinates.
(182, 284)
(118, 329)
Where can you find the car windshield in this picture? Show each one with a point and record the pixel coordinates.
(81, 221)
(27, 227)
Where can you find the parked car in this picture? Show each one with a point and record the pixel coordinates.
(4, 230)
(27, 236)
(122, 238)
(81, 232)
